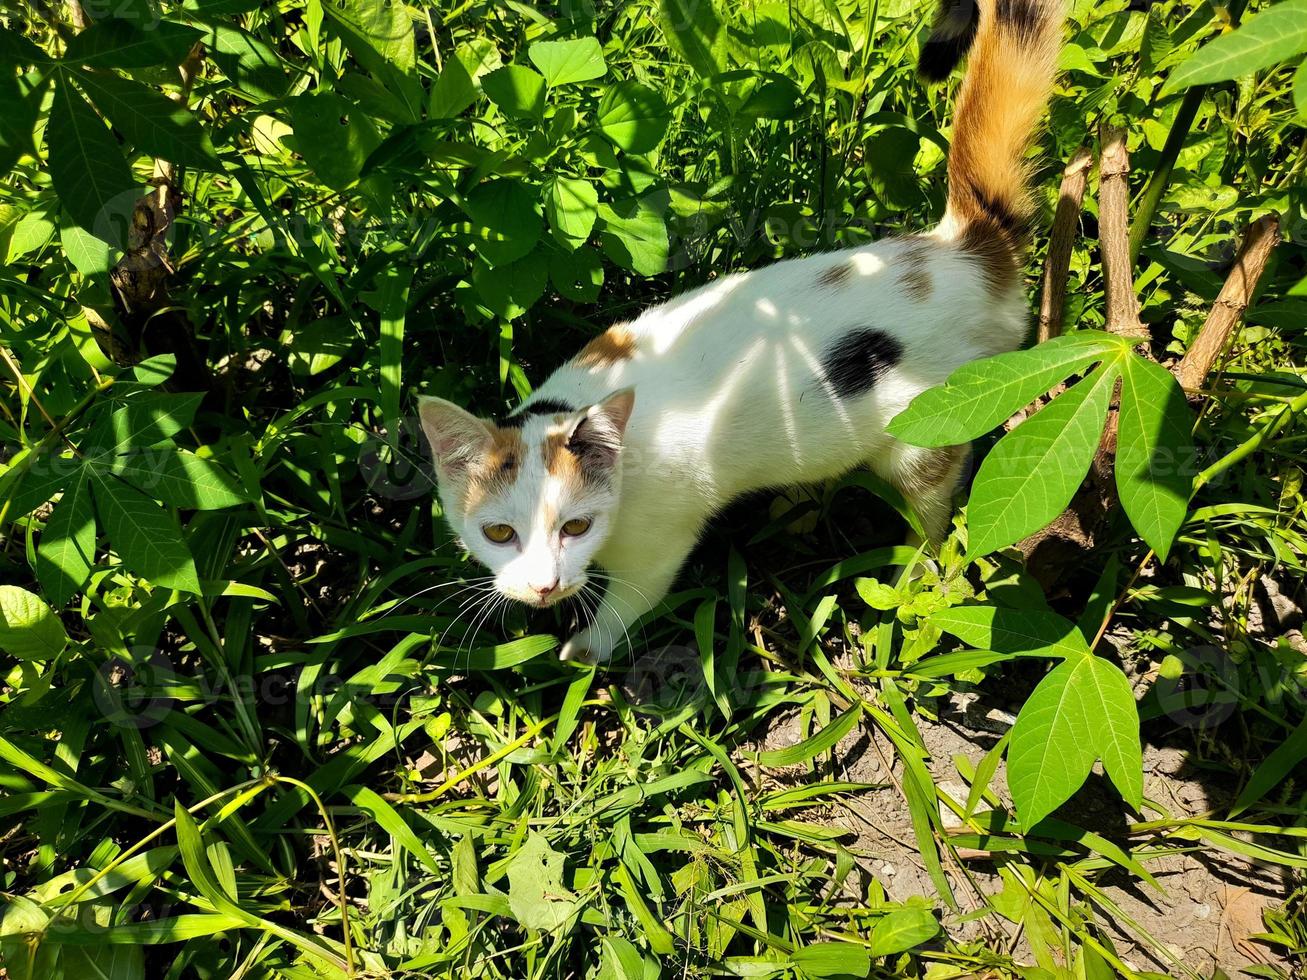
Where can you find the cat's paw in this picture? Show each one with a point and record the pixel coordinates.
(586, 648)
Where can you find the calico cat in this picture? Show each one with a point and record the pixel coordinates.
(780, 376)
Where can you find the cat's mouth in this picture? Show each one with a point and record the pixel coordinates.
(552, 598)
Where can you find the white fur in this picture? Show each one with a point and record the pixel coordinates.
(730, 398)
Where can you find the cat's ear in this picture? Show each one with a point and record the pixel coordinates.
(457, 437)
(597, 435)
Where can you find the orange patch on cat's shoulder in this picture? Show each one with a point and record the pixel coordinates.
(614, 345)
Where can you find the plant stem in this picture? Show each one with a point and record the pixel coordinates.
(1251, 444)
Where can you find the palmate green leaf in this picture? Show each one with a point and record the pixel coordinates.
(87, 168)
(1082, 711)
(1029, 477)
(633, 116)
(1267, 38)
(146, 537)
(29, 629)
(177, 477)
(1154, 469)
(117, 43)
(982, 394)
(571, 205)
(505, 220)
(145, 420)
(66, 551)
(902, 930)
(151, 121)
(695, 31)
(517, 90)
(576, 60)
(535, 886)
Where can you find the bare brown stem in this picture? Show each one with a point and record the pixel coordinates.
(1114, 236)
(1259, 241)
(1066, 223)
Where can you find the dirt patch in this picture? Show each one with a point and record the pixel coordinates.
(1205, 916)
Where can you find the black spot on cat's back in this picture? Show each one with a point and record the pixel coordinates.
(853, 364)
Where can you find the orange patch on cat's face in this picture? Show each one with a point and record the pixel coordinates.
(615, 344)
(497, 469)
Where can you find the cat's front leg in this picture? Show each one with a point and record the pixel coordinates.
(632, 590)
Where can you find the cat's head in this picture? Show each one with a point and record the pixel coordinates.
(532, 498)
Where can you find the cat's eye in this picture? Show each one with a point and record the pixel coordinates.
(576, 527)
(499, 533)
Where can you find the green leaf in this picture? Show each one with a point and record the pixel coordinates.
(385, 27)
(456, 88)
(982, 394)
(176, 477)
(832, 959)
(813, 745)
(146, 420)
(1274, 769)
(1267, 38)
(561, 62)
(1029, 477)
(571, 205)
(29, 629)
(1006, 630)
(516, 89)
(87, 168)
(633, 116)
(1082, 711)
(638, 242)
(117, 43)
(67, 549)
(901, 930)
(333, 136)
(108, 962)
(577, 275)
(390, 300)
(535, 886)
(1155, 452)
(17, 124)
(89, 255)
(252, 65)
(146, 537)
(505, 220)
(694, 30)
(394, 824)
(510, 290)
(152, 122)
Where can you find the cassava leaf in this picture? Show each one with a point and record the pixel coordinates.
(982, 394)
(145, 536)
(1267, 38)
(1081, 711)
(1155, 452)
(1029, 477)
(87, 168)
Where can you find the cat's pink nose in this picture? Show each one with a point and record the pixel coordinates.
(544, 591)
